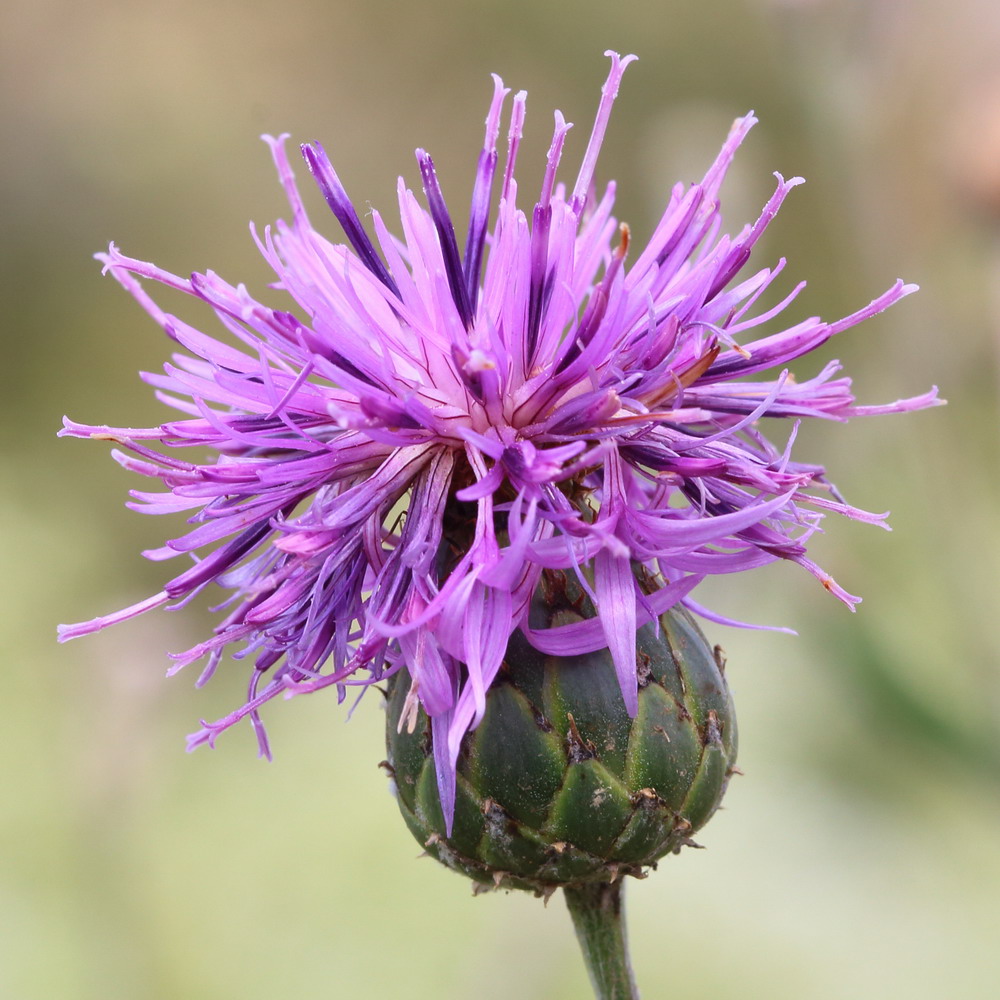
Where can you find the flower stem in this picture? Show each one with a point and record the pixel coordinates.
(599, 919)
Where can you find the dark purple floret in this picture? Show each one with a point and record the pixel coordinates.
(342, 207)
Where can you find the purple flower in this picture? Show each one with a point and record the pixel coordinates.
(394, 462)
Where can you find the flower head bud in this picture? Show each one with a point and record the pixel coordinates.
(558, 785)
(603, 406)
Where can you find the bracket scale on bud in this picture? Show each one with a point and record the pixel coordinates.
(558, 786)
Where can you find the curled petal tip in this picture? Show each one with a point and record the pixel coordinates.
(619, 60)
(66, 632)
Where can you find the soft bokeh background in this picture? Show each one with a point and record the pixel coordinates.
(860, 855)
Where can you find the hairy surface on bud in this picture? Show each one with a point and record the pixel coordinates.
(558, 785)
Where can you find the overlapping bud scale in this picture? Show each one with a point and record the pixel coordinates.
(559, 785)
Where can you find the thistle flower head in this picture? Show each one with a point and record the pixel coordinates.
(399, 451)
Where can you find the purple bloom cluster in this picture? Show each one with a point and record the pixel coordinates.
(394, 463)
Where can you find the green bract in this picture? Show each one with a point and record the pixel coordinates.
(557, 785)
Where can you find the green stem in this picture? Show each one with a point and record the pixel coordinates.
(599, 918)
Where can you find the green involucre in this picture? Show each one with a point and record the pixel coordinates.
(557, 785)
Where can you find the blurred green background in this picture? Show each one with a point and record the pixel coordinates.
(860, 855)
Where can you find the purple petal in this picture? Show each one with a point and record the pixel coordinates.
(615, 586)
